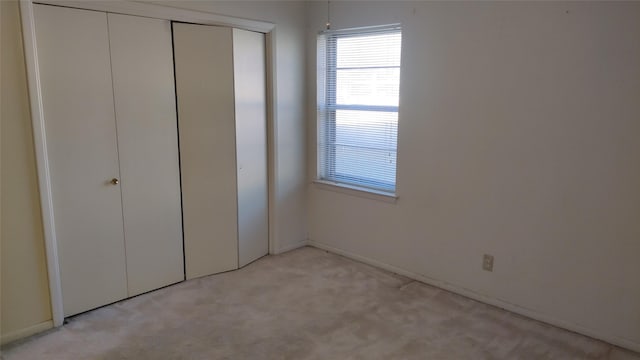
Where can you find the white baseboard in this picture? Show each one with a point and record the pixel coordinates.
(23, 333)
(533, 314)
(294, 246)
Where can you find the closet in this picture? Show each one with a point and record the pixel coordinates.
(108, 101)
(221, 92)
(131, 170)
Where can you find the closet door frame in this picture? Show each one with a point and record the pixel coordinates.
(38, 124)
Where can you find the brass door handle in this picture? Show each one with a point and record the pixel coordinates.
(115, 181)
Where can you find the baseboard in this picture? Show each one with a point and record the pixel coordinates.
(294, 246)
(533, 314)
(23, 333)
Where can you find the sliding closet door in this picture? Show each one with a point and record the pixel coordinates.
(143, 86)
(204, 88)
(251, 144)
(73, 55)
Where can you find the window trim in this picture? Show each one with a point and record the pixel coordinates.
(357, 191)
(327, 107)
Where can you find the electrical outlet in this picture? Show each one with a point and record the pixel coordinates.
(487, 262)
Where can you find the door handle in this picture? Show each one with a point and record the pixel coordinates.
(115, 181)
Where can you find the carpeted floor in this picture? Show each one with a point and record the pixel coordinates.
(306, 304)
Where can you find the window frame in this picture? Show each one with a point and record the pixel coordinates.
(328, 106)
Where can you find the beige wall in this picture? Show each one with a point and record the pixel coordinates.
(519, 136)
(25, 293)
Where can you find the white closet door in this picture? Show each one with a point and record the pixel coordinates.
(73, 55)
(251, 144)
(143, 84)
(204, 87)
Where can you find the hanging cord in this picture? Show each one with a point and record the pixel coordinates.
(328, 14)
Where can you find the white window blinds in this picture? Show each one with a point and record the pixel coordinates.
(358, 93)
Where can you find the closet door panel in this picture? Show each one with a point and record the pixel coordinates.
(143, 84)
(251, 144)
(77, 95)
(204, 87)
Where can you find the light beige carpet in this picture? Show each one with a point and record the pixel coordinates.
(306, 304)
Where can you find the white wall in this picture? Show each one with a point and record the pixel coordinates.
(519, 136)
(290, 203)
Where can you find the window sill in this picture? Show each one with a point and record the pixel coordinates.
(356, 191)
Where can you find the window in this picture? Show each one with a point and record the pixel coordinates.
(358, 95)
